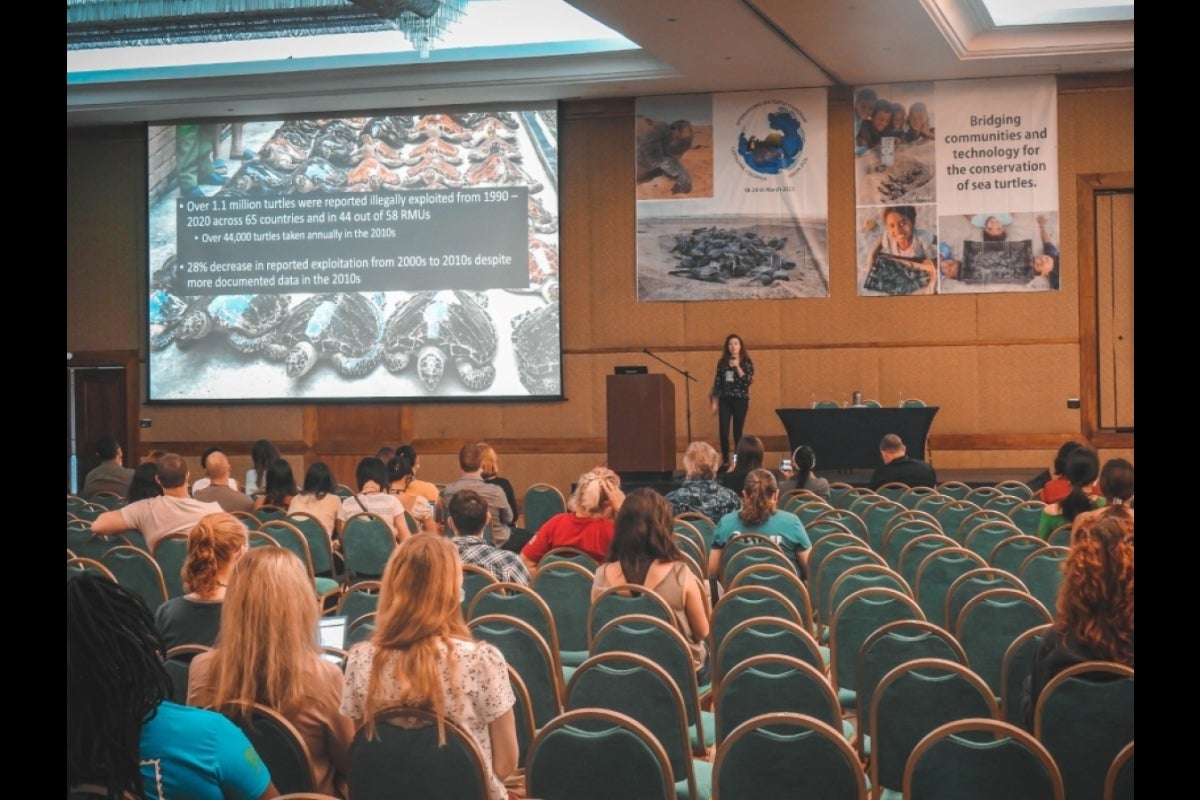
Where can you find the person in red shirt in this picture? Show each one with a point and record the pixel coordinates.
(586, 524)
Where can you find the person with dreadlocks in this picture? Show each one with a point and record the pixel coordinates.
(125, 739)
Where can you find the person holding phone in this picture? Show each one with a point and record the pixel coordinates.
(730, 395)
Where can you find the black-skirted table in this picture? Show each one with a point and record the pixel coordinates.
(848, 438)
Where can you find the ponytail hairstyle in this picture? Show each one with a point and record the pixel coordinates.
(759, 498)
(592, 490)
(804, 459)
(216, 540)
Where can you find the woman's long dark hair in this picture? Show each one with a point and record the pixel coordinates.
(144, 483)
(115, 683)
(262, 453)
(642, 534)
(749, 453)
(1083, 465)
(279, 483)
(318, 480)
(804, 459)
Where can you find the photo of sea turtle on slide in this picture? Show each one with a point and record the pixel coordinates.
(673, 158)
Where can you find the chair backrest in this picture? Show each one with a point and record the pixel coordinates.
(826, 404)
(936, 573)
(974, 519)
(1015, 488)
(914, 552)
(951, 515)
(984, 759)
(541, 502)
(248, 519)
(1118, 784)
(281, 747)
(401, 762)
(256, 538)
(916, 494)
(1014, 669)
(851, 521)
(522, 715)
(1084, 716)
(137, 570)
(360, 629)
(984, 537)
(892, 490)
(687, 544)
(974, 582)
(1027, 515)
(771, 683)
(750, 557)
(865, 501)
(530, 655)
(865, 576)
(766, 636)
(634, 685)
(597, 754)
(888, 647)
(808, 512)
(367, 542)
(79, 565)
(786, 756)
(981, 494)
(877, 518)
(988, 625)
(706, 527)
(360, 598)
(178, 662)
(567, 589)
(824, 547)
(832, 567)
(572, 554)
(911, 701)
(1060, 536)
(662, 643)
(516, 600)
(1042, 574)
(899, 535)
(475, 578)
(955, 489)
(747, 602)
(170, 552)
(1011, 553)
(784, 581)
(1004, 502)
(622, 600)
(290, 538)
(320, 548)
(858, 616)
(266, 513)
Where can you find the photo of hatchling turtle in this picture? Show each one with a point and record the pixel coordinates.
(344, 328)
(435, 327)
(249, 319)
(535, 345)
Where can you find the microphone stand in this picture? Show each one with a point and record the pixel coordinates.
(687, 389)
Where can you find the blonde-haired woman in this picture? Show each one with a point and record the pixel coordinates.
(760, 514)
(421, 654)
(586, 524)
(214, 546)
(267, 653)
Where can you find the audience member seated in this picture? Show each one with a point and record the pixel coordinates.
(490, 471)
(1082, 468)
(280, 485)
(470, 459)
(899, 467)
(268, 653)
(317, 498)
(587, 524)
(1095, 606)
(1058, 487)
(111, 474)
(144, 483)
(400, 475)
(203, 482)
(760, 514)
(804, 459)
(747, 458)
(175, 511)
(700, 490)
(418, 487)
(219, 488)
(468, 516)
(422, 654)
(1116, 486)
(123, 734)
(643, 552)
(372, 478)
(262, 453)
(214, 547)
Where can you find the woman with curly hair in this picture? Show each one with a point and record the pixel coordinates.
(1095, 606)
(267, 653)
(760, 514)
(125, 738)
(421, 654)
(213, 548)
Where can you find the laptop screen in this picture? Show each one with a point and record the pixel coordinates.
(331, 632)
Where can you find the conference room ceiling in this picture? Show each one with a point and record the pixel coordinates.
(685, 46)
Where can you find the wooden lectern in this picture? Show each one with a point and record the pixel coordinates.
(641, 423)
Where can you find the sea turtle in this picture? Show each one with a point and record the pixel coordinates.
(439, 326)
(536, 346)
(249, 319)
(344, 328)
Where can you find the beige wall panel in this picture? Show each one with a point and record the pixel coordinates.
(1024, 388)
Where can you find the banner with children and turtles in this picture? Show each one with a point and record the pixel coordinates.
(956, 186)
(732, 195)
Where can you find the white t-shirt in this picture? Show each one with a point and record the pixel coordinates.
(156, 517)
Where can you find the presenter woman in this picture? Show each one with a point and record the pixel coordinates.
(730, 395)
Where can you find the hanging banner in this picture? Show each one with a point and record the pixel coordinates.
(732, 196)
(957, 187)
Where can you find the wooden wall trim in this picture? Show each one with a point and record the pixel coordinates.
(793, 346)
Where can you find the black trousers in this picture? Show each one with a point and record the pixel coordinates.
(731, 408)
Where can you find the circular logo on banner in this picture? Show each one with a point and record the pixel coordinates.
(770, 137)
